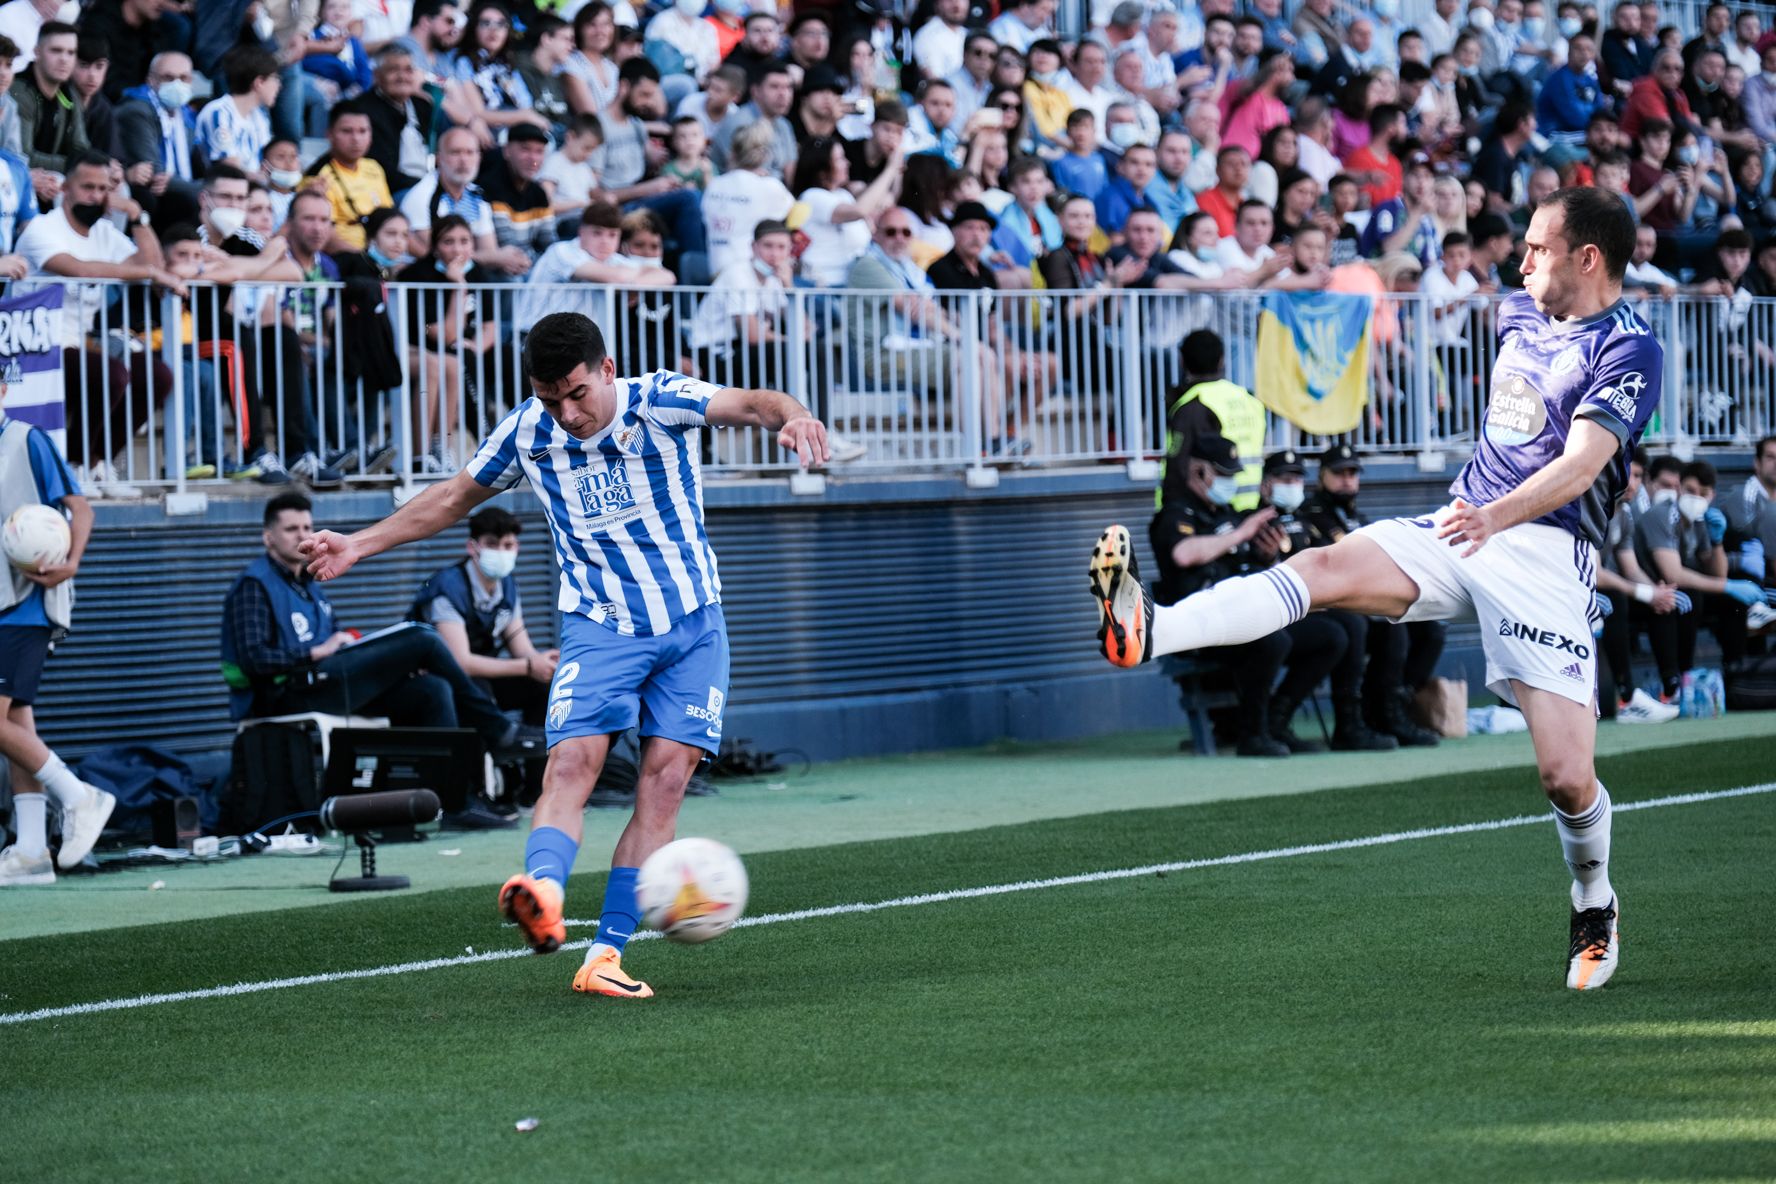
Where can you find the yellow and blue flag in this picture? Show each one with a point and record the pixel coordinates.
(1313, 359)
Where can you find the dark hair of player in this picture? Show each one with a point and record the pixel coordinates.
(558, 343)
(1597, 218)
(286, 501)
(494, 523)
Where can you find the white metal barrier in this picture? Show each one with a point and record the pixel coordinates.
(401, 382)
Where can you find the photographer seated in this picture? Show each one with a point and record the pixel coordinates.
(283, 653)
(474, 606)
(1199, 539)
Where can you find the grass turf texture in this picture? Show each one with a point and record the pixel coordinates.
(1374, 1014)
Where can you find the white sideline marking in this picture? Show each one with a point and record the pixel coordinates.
(839, 910)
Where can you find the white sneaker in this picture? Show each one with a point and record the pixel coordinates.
(1642, 708)
(18, 870)
(1759, 617)
(844, 449)
(110, 485)
(82, 825)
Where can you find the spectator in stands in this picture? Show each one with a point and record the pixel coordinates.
(336, 74)
(51, 128)
(1408, 221)
(236, 127)
(401, 117)
(1086, 82)
(1571, 95)
(760, 45)
(106, 399)
(1759, 99)
(1499, 166)
(451, 189)
(1625, 58)
(720, 96)
(568, 171)
(631, 154)
(1027, 229)
(135, 31)
(475, 607)
(593, 256)
(1679, 541)
(594, 38)
(352, 183)
(454, 324)
(1252, 109)
(494, 90)
(18, 205)
(932, 126)
(157, 140)
(543, 70)
(92, 60)
(283, 175)
(1628, 587)
(1127, 77)
(1023, 23)
(1127, 191)
(938, 45)
(1075, 267)
(810, 42)
(1045, 98)
(283, 652)
(1082, 168)
(523, 212)
(1280, 150)
(1375, 165)
(739, 199)
(1659, 95)
(294, 354)
(742, 329)
(1248, 248)
(1643, 275)
(1317, 34)
(772, 95)
(837, 224)
(1233, 170)
(816, 107)
(432, 38)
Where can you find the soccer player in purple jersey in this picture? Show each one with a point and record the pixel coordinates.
(1577, 378)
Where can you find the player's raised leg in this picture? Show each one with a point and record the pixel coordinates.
(1565, 736)
(666, 768)
(1355, 573)
(533, 899)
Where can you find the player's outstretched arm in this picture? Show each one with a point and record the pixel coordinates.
(331, 554)
(795, 425)
(1589, 447)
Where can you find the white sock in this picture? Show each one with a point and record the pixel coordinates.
(29, 814)
(59, 782)
(1585, 841)
(1232, 612)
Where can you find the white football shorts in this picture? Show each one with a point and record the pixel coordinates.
(1529, 587)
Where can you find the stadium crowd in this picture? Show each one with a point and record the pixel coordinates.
(907, 149)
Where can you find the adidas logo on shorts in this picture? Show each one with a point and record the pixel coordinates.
(1574, 672)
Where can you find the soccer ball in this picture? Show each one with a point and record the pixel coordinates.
(35, 537)
(692, 890)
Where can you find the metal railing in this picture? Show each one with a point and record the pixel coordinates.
(401, 383)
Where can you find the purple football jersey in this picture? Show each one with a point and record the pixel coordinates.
(1608, 368)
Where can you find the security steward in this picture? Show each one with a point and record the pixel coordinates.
(1199, 539)
(1205, 402)
(1400, 656)
(474, 605)
(1334, 638)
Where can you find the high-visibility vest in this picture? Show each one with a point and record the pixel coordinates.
(1242, 421)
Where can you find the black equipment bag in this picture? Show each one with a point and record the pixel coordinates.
(1751, 685)
(274, 774)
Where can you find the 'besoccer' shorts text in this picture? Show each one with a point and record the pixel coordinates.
(1529, 587)
(674, 685)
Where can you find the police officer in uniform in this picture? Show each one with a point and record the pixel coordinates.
(1206, 403)
(1200, 539)
(475, 607)
(1400, 656)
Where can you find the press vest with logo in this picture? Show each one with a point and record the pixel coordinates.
(1242, 421)
(304, 620)
(485, 625)
(18, 488)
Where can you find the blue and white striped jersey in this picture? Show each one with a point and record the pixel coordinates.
(625, 507)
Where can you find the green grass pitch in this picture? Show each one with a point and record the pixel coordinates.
(1383, 1013)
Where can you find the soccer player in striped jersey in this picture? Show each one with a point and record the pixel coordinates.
(1577, 378)
(614, 463)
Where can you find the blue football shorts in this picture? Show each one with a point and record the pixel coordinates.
(674, 685)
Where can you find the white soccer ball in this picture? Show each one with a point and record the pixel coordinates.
(35, 537)
(692, 890)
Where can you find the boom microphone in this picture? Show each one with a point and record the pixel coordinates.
(356, 813)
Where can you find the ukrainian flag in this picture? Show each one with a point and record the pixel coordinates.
(1313, 359)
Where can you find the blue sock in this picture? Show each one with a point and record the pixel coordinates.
(621, 916)
(549, 855)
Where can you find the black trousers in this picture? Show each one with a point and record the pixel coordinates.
(1673, 635)
(1310, 648)
(1401, 656)
(1617, 649)
(410, 676)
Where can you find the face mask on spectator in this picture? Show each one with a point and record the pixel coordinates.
(1045, 77)
(692, 8)
(1533, 27)
(1223, 489)
(1689, 154)
(1692, 506)
(1661, 496)
(733, 7)
(87, 215)
(1206, 254)
(228, 220)
(174, 92)
(1480, 18)
(1125, 135)
(1387, 10)
(496, 565)
(285, 178)
(69, 13)
(1288, 498)
(1570, 26)
(381, 260)
(1468, 71)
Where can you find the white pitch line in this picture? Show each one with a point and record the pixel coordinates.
(839, 910)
